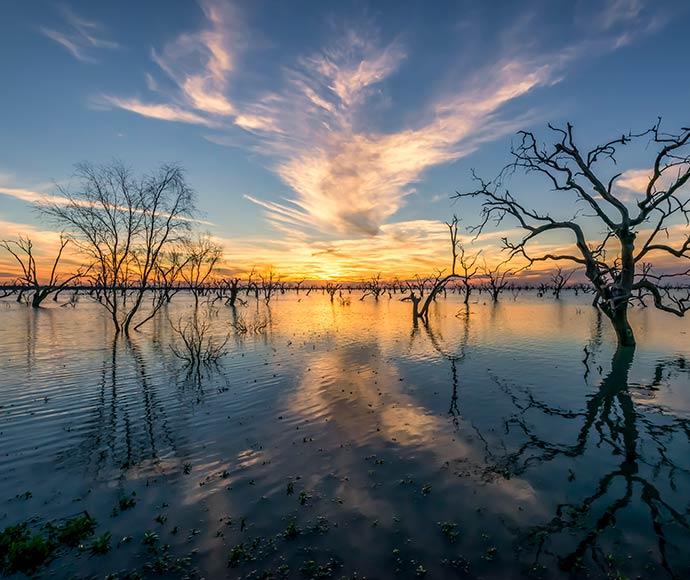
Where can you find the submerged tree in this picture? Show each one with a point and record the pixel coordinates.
(614, 264)
(468, 270)
(559, 280)
(125, 225)
(22, 250)
(497, 280)
(202, 255)
(437, 283)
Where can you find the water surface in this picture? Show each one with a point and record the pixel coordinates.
(343, 441)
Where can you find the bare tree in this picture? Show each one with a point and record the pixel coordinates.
(232, 286)
(437, 283)
(164, 284)
(7, 290)
(22, 250)
(298, 285)
(560, 279)
(373, 287)
(269, 284)
(202, 257)
(631, 234)
(198, 345)
(468, 270)
(331, 288)
(497, 280)
(124, 224)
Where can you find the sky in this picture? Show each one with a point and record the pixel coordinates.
(325, 139)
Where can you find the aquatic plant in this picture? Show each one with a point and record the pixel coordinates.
(292, 531)
(73, 531)
(101, 544)
(22, 551)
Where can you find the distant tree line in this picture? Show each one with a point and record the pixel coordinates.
(138, 237)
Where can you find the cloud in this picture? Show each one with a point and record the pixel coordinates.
(36, 198)
(160, 111)
(634, 182)
(46, 245)
(199, 64)
(349, 179)
(80, 37)
(316, 128)
(401, 249)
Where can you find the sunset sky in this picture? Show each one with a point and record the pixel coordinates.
(326, 138)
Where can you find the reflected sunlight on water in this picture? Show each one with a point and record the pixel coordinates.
(376, 438)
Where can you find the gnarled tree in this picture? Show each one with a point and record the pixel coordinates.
(632, 232)
(125, 225)
(22, 250)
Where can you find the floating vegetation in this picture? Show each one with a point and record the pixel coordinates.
(313, 570)
(238, 555)
(101, 544)
(73, 531)
(150, 538)
(127, 502)
(23, 551)
(449, 530)
(292, 531)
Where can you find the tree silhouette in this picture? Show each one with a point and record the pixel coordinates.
(22, 250)
(639, 436)
(125, 225)
(614, 265)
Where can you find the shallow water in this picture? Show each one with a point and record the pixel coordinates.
(480, 446)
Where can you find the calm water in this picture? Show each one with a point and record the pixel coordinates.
(481, 447)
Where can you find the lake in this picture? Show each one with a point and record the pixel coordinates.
(341, 441)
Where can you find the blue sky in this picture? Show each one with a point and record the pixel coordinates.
(324, 138)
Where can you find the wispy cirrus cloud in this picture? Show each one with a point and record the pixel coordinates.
(199, 65)
(317, 129)
(633, 183)
(349, 179)
(162, 111)
(79, 36)
(38, 198)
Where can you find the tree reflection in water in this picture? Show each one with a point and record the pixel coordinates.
(623, 427)
(641, 434)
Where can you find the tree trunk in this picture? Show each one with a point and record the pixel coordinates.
(619, 319)
(37, 298)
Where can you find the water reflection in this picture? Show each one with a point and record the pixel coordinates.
(643, 471)
(485, 407)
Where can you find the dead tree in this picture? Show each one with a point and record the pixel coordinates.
(298, 285)
(269, 283)
(331, 289)
(468, 270)
(232, 285)
(164, 284)
(22, 250)
(7, 290)
(373, 287)
(631, 231)
(202, 255)
(125, 225)
(560, 279)
(497, 280)
(437, 284)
